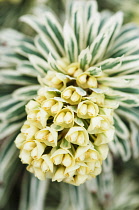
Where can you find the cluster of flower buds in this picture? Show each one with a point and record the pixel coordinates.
(68, 127)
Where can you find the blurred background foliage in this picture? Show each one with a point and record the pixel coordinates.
(60, 196)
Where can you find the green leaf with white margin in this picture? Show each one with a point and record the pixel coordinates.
(45, 47)
(54, 65)
(6, 102)
(77, 23)
(124, 148)
(15, 77)
(134, 137)
(121, 129)
(90, 8)
(26, 93)
(129, 114)
(40, 64)
(9, 128)
(103, 40)
(120, 66)
(55, 31)
(26, 49)
(39, 27)
(10, 169)
(70, 43)
(95, 71)
(80, 197)
(35, 23)
(84, 59)
(129, 32)
(12, 58)
(25, 68)
(126, 49)
(33, 193)
(15, 112)
(92, 28)
(123, 81)
(115, 23)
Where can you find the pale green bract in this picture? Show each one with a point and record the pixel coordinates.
(89, 38)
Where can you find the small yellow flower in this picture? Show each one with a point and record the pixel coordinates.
(20, 139)
(48, 136)
(85, 80)
(74, 69)
(77, 135)
(31, 150)
(71, 95)
(62, 156)
(105, 137)
(52, 106)
(29, 130)
(87, 109)
(64, 118)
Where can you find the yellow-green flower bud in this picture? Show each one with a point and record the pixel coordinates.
(71, 95)
(95, 167)
(87, 109)
(31, 150)
(38, 118)
(74, 69)
(64, 118)
(105, 137)
(20, 139)
(85, 80)
(63, 157)
(44, 93)
(103, 149)
(77, 135)
(97, 98)
(29, 130)
(55, 80)
(40, 166)
(48, 136)
(32, 105)
(59, 174)
(52, 106)
(99, 124)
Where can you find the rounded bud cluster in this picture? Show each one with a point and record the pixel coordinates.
(68, 127)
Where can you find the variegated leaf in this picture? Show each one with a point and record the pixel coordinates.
(85, 58)
(15, 77)
(26, 93)
(55, 30)
(70, 43)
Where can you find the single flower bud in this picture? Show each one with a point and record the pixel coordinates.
(31, 150)
(74, 70)
(29, 130)
(20, 140)
(97, 98)
(95, 167)
(77, 135)
(38, 118)
(99, 124)
(44, 93)
(48, 135)
(59, 174)
(32, 105)
(105, 137)
(52, 106)
(55, 80)
(71, 95)
(87, 109)
(64, 118)
(63, 157)
(85, 80)
(103, 149)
